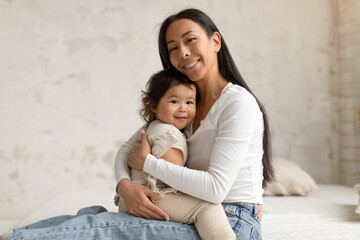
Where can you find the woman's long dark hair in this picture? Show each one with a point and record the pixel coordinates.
(227, 69)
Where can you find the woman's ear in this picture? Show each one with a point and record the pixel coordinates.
(216, 37)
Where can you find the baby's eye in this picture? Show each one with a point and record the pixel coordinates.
(174, 101)
(189, 102)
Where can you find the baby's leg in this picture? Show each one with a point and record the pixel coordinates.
(121, 204)
(209, 219)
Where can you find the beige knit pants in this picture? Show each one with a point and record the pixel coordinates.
(209, 219)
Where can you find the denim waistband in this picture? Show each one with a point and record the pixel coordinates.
(253, 208)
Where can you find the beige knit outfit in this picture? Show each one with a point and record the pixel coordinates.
(210, 219)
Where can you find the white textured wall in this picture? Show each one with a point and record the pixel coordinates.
(349, 85)
(71, 73)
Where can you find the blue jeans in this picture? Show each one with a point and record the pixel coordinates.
(97, 223)
(243, 218)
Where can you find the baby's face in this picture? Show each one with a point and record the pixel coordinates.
(177, 106)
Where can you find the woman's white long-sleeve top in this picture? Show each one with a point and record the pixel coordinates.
(225, 153)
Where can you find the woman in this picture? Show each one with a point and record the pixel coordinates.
(229, 141)
(229, 150)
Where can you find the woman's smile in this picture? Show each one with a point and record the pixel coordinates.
(190, 66)
(191, 50)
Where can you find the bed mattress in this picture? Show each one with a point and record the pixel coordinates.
(328, 213)
(325, 214)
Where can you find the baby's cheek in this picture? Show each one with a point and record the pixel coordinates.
(169, 112)
(193, 113)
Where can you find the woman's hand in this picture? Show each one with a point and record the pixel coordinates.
(139, 152)
(136, 198)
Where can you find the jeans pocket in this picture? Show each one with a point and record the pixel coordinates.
(245, 226)
(255, 235)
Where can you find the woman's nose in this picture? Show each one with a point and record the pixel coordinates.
(184, 52)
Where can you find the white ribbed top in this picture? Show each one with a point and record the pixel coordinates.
(225, 153)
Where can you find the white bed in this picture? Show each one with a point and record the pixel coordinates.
(328, 213)
(325, 214)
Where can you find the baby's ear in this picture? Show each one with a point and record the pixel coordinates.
(153, 108)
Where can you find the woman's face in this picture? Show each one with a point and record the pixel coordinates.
(191, 51)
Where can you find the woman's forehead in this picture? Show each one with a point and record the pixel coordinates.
(180, 27)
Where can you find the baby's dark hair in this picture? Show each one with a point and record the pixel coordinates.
(157, 86)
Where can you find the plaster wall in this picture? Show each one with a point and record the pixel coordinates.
(71, 74)
(349, 90)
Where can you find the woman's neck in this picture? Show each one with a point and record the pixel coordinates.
(210, 89)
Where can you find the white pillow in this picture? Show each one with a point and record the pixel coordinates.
(290, 179)
(357, 186)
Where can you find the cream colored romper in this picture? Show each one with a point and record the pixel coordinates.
(209, 219)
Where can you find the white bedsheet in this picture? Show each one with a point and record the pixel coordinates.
(325, 214)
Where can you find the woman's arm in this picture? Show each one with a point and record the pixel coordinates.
(236, 125)
(136, 196)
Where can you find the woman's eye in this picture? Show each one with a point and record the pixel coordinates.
(190, 40)
(172, 49)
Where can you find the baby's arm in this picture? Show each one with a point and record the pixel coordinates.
(175, 156)
(167, 142)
